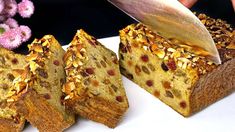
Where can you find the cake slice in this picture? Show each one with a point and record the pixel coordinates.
(38, 89)
(93, 85)
(169, 70)
(10, 120)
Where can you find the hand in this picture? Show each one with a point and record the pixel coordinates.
(190, 3)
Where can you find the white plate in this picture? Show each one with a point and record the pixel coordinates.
(146, 113)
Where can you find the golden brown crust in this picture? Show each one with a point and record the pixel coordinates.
(213, 86)
(7, 125)
(40, 113)
(97, 109)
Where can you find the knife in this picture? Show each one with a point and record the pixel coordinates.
(172, 20)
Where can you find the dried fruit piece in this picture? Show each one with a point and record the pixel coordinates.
(42, 72)
(144, 58)
(164, 67)
(166, 85)
(171, 65)
(119, 98)
(56, 62)
(149, 83)
(14, 61)
(10, 77)
(95, 83)
(98, 64)
(151, 67)
(169, 94)
(129, 63)
(137, 70)
(47, 96)
(103, 63)
(156, 93)
(111, 72)
(183, 104)
(89, 71)
(145, 70)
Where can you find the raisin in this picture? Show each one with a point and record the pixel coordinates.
(103, 63)
(10, 77)
(171, 65)
(115, 88)
(151, 67)
(89, 71)
(86, 81)
(98, 64)
(183, 104)
(137, 70)
(149, 83)
(111, 72)
(144, 58)
(156, 93)
(166, 84)
(84, 74)
(56, 62)
(119, 99)
(47, 96)
(45, 84)
(164, 67)
(169, 94)
(176, 92)
(145, 70)
(14, 61)
(42, 73)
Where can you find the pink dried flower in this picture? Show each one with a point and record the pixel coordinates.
(4, 28)
(2, 5)
(10, 39)
(25, 33)
(12, 23)
(10, 8)
(26, 8)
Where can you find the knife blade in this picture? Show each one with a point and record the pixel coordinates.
(172, 20)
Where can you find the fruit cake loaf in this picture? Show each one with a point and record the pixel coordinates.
(93, 85)
(39, 88)
(10, 120)
(168, 70)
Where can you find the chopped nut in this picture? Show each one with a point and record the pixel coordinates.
(160, 53)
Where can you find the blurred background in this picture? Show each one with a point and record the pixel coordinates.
(99, 18)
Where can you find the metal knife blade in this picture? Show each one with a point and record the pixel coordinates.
(172, 20)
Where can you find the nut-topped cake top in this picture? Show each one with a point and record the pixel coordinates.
(175, 53)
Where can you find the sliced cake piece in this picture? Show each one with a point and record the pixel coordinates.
(170, 71)
(93, 85)
(38, 90)
(10, 120)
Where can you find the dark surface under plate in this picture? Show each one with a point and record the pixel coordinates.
(62, 18)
